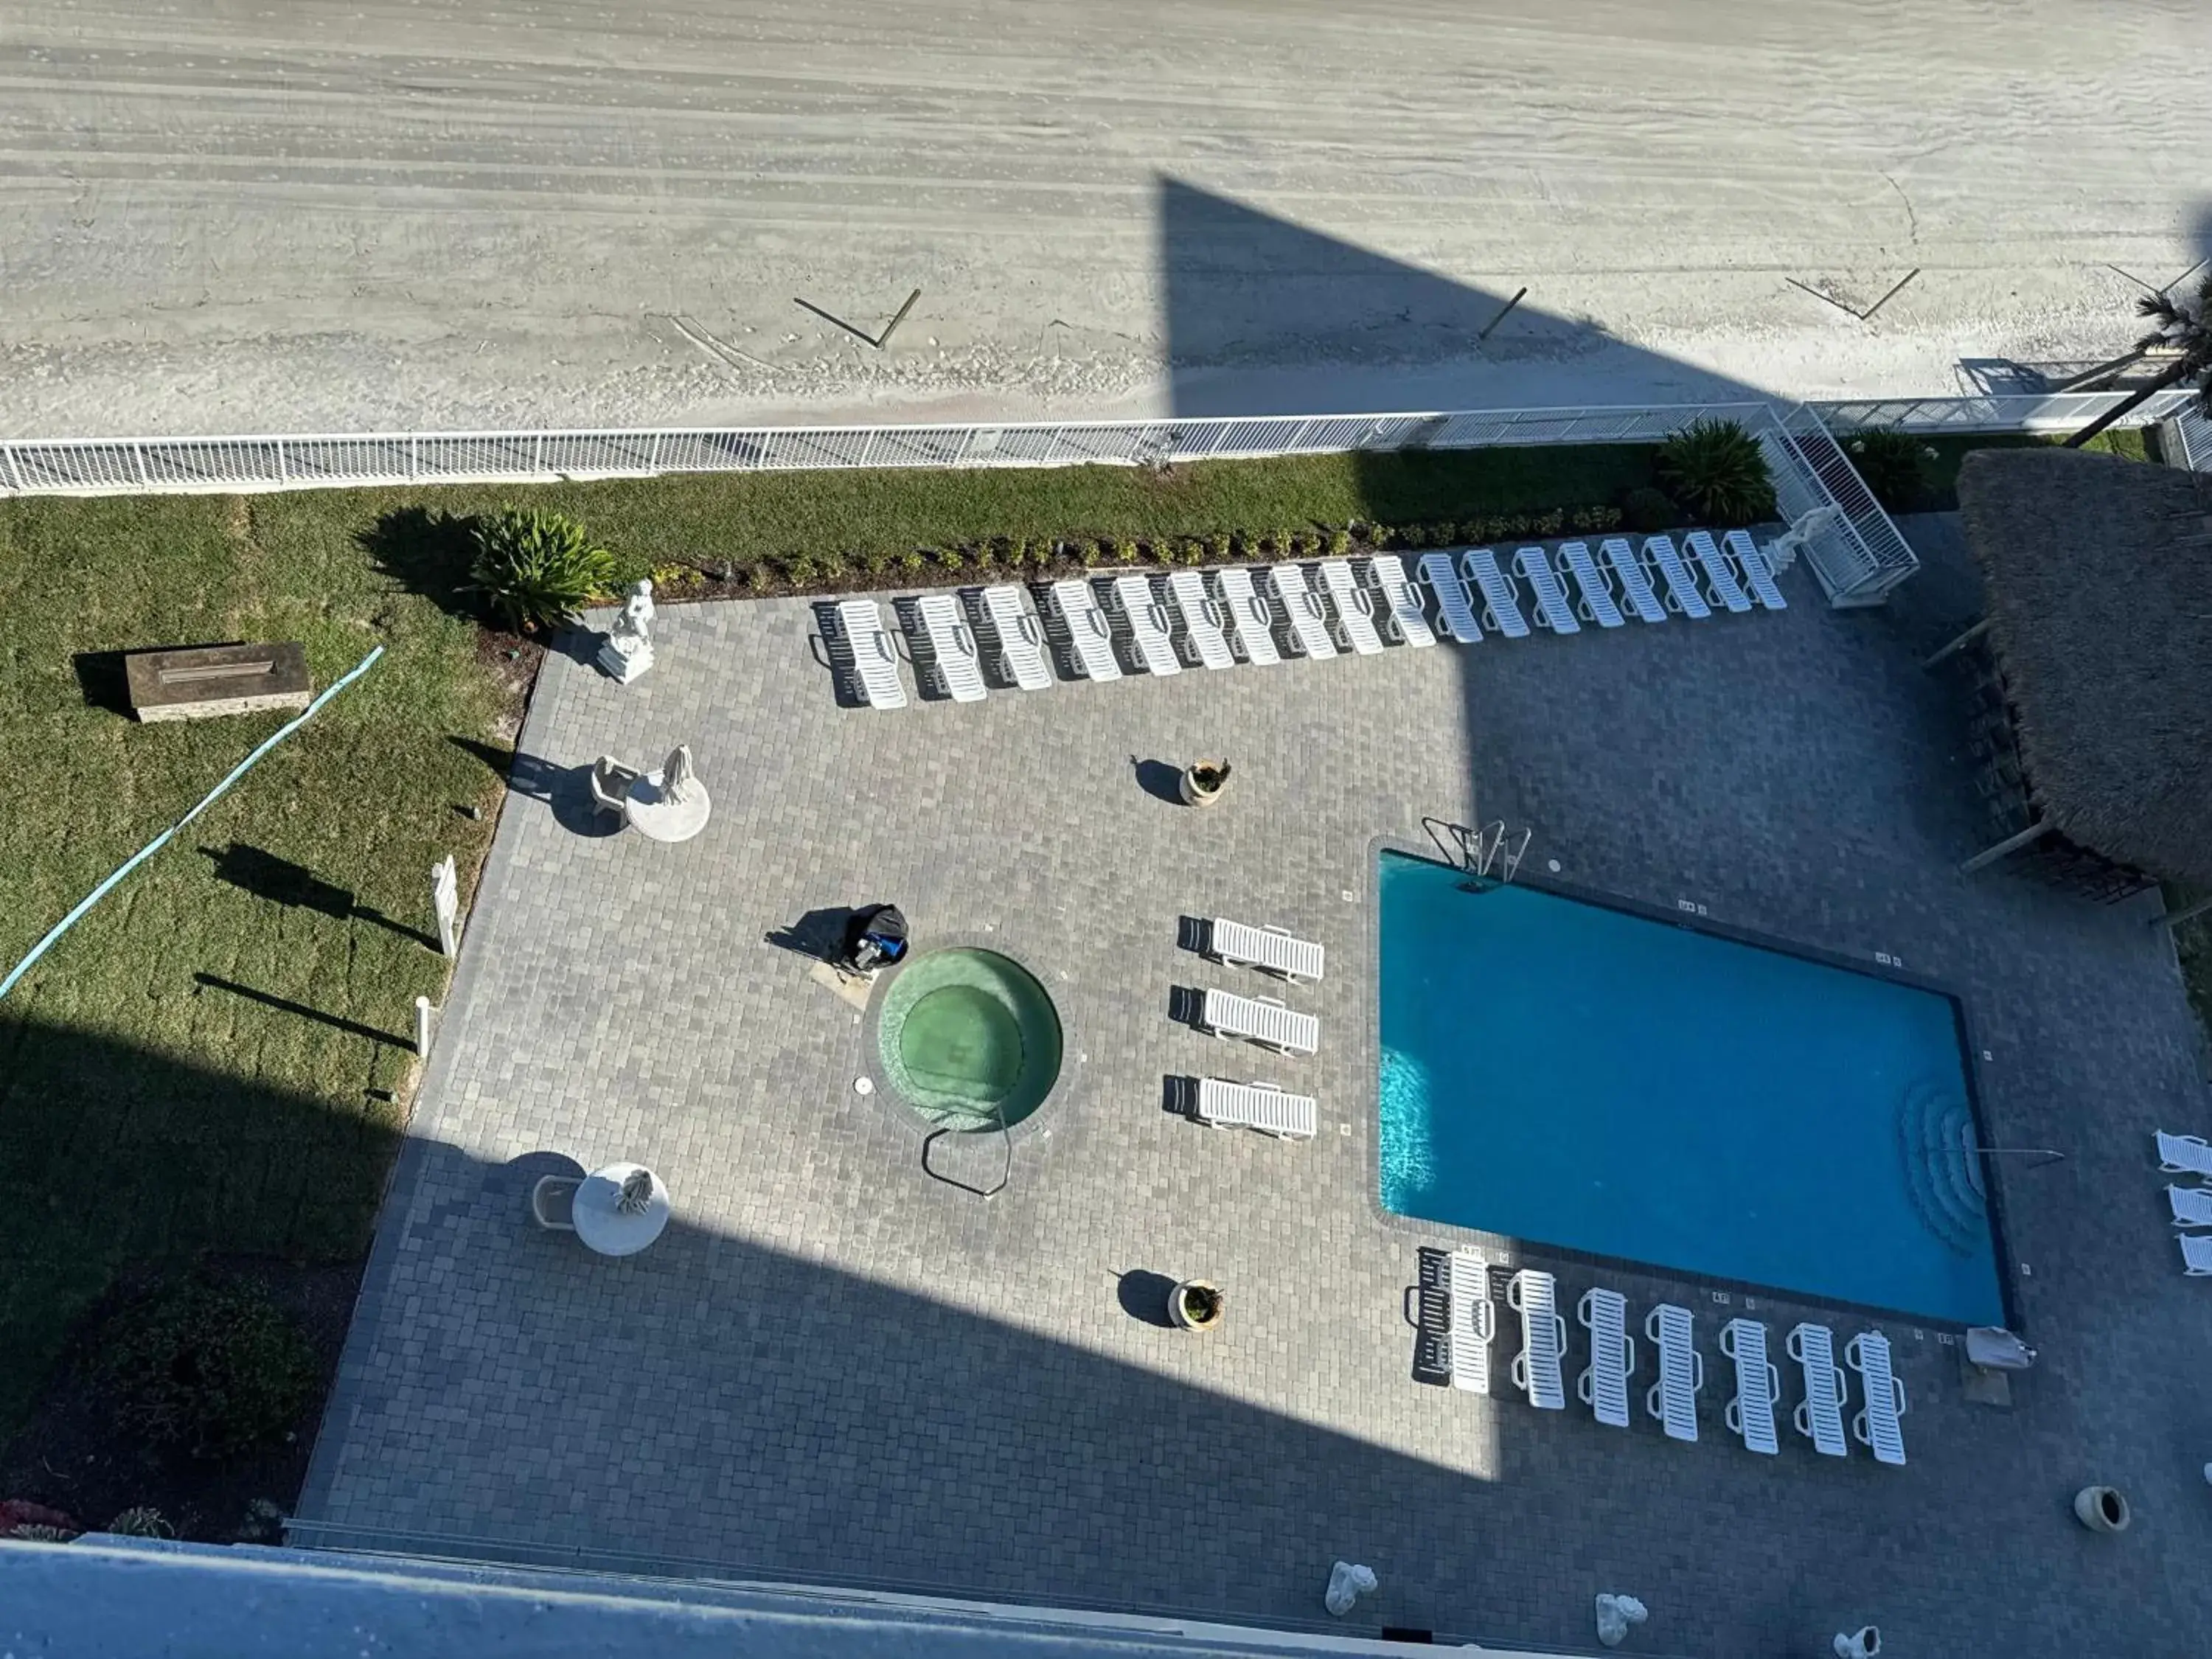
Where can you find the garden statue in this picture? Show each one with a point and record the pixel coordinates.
(1615, 1613)
(1862, 1643)
(637, 1195)
(1781, 552)
(678, 782)
(1346, 1584)
(627, 651)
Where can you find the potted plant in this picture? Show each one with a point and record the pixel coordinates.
(1202, 781)
(1196, 1305)
(2102, 1509)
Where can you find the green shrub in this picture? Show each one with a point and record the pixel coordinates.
(142, 1521)
(1125, 550)
(1646, 510)
(1890, 462)
(537, 569)
(1376, 535)
(1717, 470)
(208, 1364)
(1551, 523)
(1338, 542)
(913, 559)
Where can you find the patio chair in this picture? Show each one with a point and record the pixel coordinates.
(1720, 578)
(1536, 1296)
(611, 782)
(2183, 1154)
(1634, 581)
(1355, 605)
(1819, 1415)
(952, 644)
(1455, 604)
(1309, 620)
(1270, 948)
(1089, 635)
(1682, 595)
(1501, 604)
(1262, 1020)
(1674, 1398)
(1750, 1415)
(1401, 600)
(1596, 604)
(1758, 574)
(1250, 615)
(1203, 622)
(1150, 629)
(2191, 1206)
(1603, 1385)
(1021, 638)
(1876, 1426)
(1474, 1320)
(553, 1203)
(1261, 1106)
(1534, 566)
(2196, 1255)
(875, 654)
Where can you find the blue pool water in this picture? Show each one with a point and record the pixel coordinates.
(1573, 1075)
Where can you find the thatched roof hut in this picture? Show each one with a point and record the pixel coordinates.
(2097, 575)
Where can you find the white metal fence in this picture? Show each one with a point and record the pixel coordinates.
(2042, 411)
(1856, 562)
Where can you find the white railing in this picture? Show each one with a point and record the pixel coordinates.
(2035, 411)
(1856, 562)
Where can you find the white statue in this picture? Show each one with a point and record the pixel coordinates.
(1346, 1584)
(627, 651)
(1862, 1643)
(1615, 1613)
(678, 782)
(446, 900)
(637, 1195)
(1781, 552)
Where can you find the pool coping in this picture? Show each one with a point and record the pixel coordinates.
(1694, 920)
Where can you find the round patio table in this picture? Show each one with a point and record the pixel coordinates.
(658, 818)
(604, 1228)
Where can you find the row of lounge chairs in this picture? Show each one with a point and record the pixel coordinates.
(2191, 1206)
(1604, 1385)
(1258, 614)
(1266, 1021)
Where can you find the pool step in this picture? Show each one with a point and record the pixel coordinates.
(1943, 1172)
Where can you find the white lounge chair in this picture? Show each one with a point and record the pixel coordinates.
(1603, 1385)
(1259, 1106)
(1309, 620)
(953, 644)
(1251, 615)
(1401, 600)
(1876, 1427)
(1455, 604)
(2193, 1205)
(1720, 578)
(1202, 619)
(1674, 1398)
(1635, 580)
(1021, 639)
(1355, 606)
(875, 654)
(2196, 1255)
(2183, 1154)
(1536, 1296)
(1262, 1020)
(1819, 1415)
(1270, 948)
(1596, 604)
(1150, 629)
(1758, 575)
(1682, 594)
(1534, 566)
(1501, 604)
(1473, 1321)
(1088, 631)
(1750, 1415)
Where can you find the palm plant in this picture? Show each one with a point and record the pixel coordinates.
(1717, 470)
(538, 569)
(2184, 329)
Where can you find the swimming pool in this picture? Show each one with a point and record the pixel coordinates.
(1574, 1075)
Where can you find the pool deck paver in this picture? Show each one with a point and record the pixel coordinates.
(834, 1365)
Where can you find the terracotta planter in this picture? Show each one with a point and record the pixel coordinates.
(2102, 1509)
(1196, 1305)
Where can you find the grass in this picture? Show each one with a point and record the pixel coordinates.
(149, 1111)
(1940, 476)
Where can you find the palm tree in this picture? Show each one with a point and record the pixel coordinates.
(2185, 329)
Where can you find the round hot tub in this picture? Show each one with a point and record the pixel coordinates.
(969, 1039)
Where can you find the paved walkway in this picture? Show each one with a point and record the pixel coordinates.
(836, 1364)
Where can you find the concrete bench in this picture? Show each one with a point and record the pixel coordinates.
(216, 679)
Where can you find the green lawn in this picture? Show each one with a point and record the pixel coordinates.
(1940, 476)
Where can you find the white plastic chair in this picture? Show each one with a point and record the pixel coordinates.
(1150, 629)
(1474, 1320)
(1355, 606)
(1819, 1415)
(1750, 1415)
(1720, 578)
(875, 654)
(1635, 580)
(953, 644)
(1597, 603)
(1876, 1426)
(1021, 639)
(2183, 1154)
(1263, 1020)
(1272, 948)
(2193, 1205)
(1308, 619)
(1261, 1106)
(1401, 600)
(1501, 604)
(1674, 1398)
(1088, 634)
(1603, 1384)
(1250, 614)
(1535, 1296)
(1758, 575)
(1455, 603)
(1553, 611)
(1682, 594)
(1202, 619)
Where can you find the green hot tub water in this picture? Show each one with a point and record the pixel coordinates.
(970, 1038)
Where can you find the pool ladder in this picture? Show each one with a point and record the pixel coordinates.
(1494, 847)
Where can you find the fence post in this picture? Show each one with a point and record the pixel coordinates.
(14, 471)
(138, 460)
(412, 441)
